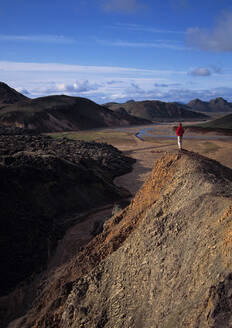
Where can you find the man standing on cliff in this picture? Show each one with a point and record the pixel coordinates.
(180, 133)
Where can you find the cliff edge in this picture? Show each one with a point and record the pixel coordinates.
(163, 262)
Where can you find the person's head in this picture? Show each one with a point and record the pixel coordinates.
(180, 124)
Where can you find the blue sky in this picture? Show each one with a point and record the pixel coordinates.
(116, 50)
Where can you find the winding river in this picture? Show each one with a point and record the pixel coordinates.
(150, 132)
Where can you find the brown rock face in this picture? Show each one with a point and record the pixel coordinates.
(164, 261)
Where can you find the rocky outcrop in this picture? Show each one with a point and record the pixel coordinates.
(90, 154)
(15, 131)
(174, 269)
(43, 183)
(164, 261)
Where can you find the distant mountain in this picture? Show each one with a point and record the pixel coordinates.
(215, 105)
(199, 105)
(63, 113)
(123, 114)
(131, 101)
(220, 104)
(157, 110)
(9, 95)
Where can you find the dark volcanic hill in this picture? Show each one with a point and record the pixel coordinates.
(157, 110)
(164, 261)
(44, 181)
(214, 105)
(63, 113)
(9, 95)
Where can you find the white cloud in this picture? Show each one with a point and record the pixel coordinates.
(81, 86)
(185, 95)
(8, 66)
(143, 28)
(133, 90)
(164, 85)
(103, 84)
(206, 71)
(38, 38)
(218, 39)
(122, 6)
(113, 82)
(224, 92)
(161, 44)
(171, 95)
(202, 71)
(137, 91)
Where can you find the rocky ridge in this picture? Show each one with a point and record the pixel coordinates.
(164, 261)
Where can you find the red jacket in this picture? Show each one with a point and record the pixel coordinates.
(180, 131)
